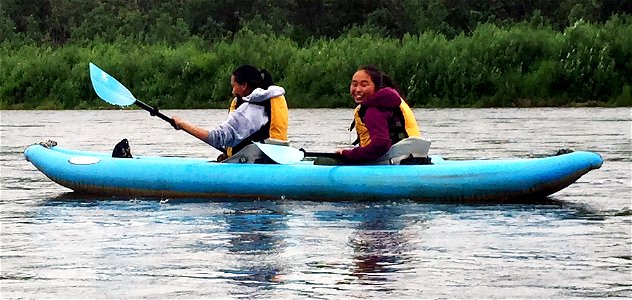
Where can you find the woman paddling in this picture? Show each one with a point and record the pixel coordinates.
(382, 117)
(258, 113)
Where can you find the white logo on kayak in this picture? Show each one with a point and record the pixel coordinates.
(83, 160)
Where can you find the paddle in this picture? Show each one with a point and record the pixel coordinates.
(320, 154)
(113, 92)
(286, 155)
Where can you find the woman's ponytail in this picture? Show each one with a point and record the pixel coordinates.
(266, 79)
(253, 77)
(380, 79)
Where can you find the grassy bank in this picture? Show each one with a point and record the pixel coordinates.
(518, 65)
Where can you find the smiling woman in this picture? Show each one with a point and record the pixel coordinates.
(382, 117)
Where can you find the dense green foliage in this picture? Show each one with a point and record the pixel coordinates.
(442, 52)
(80, 21)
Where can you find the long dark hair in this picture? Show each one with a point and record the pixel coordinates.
(253, 77)
(381, 79)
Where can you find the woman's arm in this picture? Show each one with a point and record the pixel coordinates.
(191, 129)
(241, 123)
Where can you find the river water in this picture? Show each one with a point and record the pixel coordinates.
(56, 244)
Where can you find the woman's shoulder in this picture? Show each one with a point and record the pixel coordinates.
(388, 92)
(385, 97)
(260, 95)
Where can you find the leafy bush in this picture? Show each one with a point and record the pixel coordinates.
(517, 65)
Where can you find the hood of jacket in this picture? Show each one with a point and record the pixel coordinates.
(260, 95)
(385, 97)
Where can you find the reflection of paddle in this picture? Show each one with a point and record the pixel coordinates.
(113, 92)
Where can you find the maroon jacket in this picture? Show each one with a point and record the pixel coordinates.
(376, 120)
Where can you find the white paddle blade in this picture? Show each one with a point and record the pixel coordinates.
(283, 155)
(109, 89)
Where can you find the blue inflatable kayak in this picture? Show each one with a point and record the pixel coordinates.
(443, 180)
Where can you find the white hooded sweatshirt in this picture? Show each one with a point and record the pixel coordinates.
(245, 120)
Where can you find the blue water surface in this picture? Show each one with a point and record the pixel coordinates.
(575, 244)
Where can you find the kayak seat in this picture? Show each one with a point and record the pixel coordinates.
(411, 160)
(411, 150)
(250, 154)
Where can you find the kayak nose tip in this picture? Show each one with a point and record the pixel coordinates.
(598, 161)
(595, 159)
(27, 153)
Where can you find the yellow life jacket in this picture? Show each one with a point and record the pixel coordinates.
(397, 131)
(276, 128)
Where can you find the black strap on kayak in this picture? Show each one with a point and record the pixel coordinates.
(48, 144)
(122, 149)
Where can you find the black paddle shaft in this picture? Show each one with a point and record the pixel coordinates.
(321, 154)
(154, 112)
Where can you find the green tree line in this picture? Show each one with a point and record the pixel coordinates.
(173, 21)
(443, 53)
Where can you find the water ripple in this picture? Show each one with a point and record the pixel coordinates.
(576, 244)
